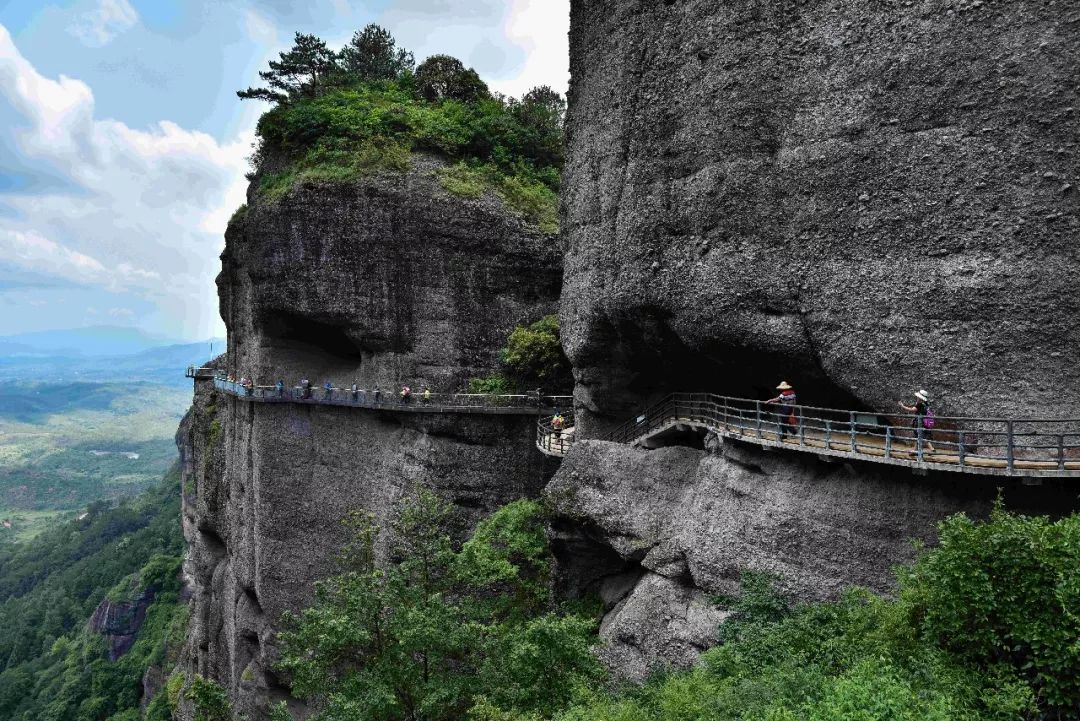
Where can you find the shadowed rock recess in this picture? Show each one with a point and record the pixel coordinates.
(864, 199)
(386, 280)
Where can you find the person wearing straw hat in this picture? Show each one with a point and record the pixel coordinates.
(922, 411)
(785, 419)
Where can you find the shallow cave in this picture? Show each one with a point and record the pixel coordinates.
(302, 346)
(654, 361)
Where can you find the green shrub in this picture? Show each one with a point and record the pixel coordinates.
(210, 700)
(238, 215)
(534, 353)
(368, 112)
(438, 631)
(173, 687)
(1006, 591)
(496, 384)
(213, 434)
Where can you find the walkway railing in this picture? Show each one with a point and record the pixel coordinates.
(520, 404)
(995, 446)
(552, 440)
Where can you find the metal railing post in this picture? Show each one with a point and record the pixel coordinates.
(919, 440)
(802, 428)
(1061, 451)
(888, 441)
(854, 441)
(757, 407)
(960, 446)
(828, 434)
(1010, 451)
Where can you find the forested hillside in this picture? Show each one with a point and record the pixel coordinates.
(88, 607)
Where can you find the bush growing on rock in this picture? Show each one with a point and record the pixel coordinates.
(439, 631)
(367, 111)
(985, 627)
(534, 353)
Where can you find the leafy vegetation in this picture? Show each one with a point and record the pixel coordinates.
(51, 665)
(338, 116)
(984, 628)
(532, 357)
(440, 631)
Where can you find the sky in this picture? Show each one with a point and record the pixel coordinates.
(123, 146)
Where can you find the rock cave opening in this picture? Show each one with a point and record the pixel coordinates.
(652, 361)
(302, 346)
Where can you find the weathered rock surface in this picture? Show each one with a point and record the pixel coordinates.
(384, 281)
(862, 198)
(119, 621)
(657, 533)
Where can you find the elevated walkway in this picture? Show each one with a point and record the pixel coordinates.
(988, 446)
(477, 403)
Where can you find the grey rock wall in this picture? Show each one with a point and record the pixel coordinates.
(864, 198)
(264, 505)
(385, 281)
(657, 534)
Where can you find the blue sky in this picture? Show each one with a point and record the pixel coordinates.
(123, 144)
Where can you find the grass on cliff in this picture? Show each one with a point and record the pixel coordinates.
(350, 124)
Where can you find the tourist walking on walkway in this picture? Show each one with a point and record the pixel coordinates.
(426, 396)
(328, 389)
(406, 393)
(375, 392)
(280, 389)
(786, 421)
(305, 388)
(355, 392)
(924, 418)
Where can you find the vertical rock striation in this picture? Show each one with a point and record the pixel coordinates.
(386, 281)
(863, 198)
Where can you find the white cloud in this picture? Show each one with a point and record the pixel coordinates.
(541, 28)
(150, 207)
(107, 19)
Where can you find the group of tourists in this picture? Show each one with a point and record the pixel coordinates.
(788, 422)
(356, 394)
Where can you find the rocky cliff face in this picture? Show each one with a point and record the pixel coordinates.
(658, 534)
(386, 281)
(119, 621)
(865, 199)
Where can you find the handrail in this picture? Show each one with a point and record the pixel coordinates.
(994, 446)
(555, 439)
(518, 404)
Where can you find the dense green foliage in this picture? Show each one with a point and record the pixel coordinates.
(51, 665)
(985, 627)
(1006, 593)
(534, 352)
(440, 633)
(532, 358)
(341, 115)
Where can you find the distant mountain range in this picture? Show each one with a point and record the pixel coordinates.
(91, 341)
(100, 354)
